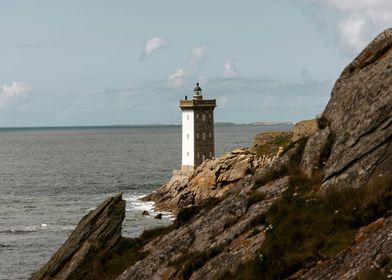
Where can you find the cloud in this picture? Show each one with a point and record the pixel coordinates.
(229, 70)
(198, 55)
(153, 44)
(352, 33)
(177, 79)
(359, 21)
(13, 91)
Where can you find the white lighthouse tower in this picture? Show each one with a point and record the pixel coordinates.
(197, 130)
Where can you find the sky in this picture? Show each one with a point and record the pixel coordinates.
(98, 62)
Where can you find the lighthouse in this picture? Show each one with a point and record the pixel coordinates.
(197, 130)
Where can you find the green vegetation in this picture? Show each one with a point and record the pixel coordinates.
(294, 160)
(306, 225)
(271, 146)
(127, 252)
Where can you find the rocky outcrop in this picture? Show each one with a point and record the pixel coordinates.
(359, 113)
(215, 177)
(213, 240)
(224, 208)
(304, 129)
(316, 148)
(268, 146)
(94, 238)
(371, 251)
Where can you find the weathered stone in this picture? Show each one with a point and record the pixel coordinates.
(145, 213)
(314, 148)
(158, 216)
(374, 243)
(360, 116)
(224, 229)
(304, 129)
(96, 234)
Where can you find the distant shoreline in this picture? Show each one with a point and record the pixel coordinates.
(139, 126)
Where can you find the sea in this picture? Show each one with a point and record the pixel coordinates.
(51, 177)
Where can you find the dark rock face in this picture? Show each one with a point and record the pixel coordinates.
(373, 244)
(96, 234)
(360, 116)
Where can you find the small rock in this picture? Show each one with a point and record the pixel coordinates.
(145, 213)
(158, 216)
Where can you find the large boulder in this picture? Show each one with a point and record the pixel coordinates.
(359, 114)
(94, 238)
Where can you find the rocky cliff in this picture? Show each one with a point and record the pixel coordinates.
(314, 207)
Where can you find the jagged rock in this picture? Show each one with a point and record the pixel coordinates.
(373, 243)
(220, 237)
(213, 178)
(224, 230)
(360, 115)
(314, 148)
(168, 196)
(158, 216)
(96, 234)
(269, 145)
(304, 129)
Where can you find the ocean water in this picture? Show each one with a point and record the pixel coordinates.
(50, 178)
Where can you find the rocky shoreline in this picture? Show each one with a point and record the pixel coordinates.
(312, 204)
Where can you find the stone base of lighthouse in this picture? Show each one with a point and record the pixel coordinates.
(186, 170)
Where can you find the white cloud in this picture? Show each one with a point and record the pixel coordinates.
(361, 20)
(13, 91)
(198, 55)
(229, 70)
(352, 33)
(153, 44)
(177, 79)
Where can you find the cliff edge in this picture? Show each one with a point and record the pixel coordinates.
(314, 207)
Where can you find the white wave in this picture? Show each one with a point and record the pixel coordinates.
(36, 228)
(134, 203)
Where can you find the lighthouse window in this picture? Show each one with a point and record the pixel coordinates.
(203, 117)
(210, 134)
(204, 157)
(187, 117)
(187, 136)
(197, 116)
(210, 155)
(187, 154)
(204, 136)
(198, 155)
(197, 135)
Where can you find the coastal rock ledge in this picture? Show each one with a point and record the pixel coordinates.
(316, 207)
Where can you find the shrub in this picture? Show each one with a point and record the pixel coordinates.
(188, 263)
(306, 226)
